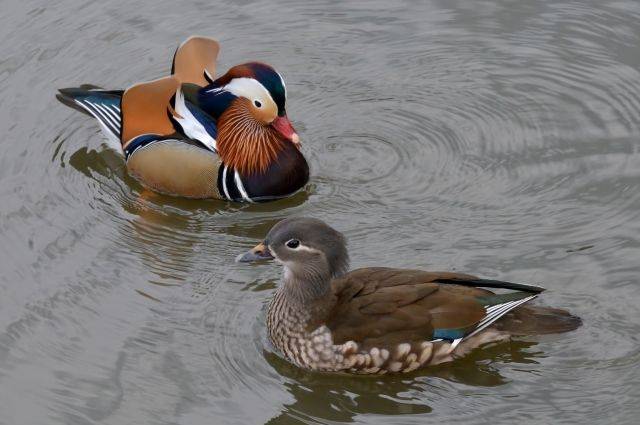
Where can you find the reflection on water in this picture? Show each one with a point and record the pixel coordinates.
(498, 138)
(338, 397)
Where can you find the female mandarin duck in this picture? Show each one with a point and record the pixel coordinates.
(379, 320)
(195, 136)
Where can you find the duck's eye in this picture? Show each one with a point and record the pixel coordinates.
(257, 103)
(293, 243)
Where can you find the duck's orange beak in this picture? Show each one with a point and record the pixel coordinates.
(283, 126)
(258, 252)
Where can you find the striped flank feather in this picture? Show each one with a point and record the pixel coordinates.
(103, 105)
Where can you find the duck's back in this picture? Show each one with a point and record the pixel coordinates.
(376, 306)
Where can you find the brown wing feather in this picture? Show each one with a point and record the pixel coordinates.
(144, 108)
(386, 306)
(195, 56)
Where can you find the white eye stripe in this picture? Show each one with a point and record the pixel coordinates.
(249, 88)
(306, 248)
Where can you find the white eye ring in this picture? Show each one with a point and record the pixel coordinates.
(293, 243)
(257, 103)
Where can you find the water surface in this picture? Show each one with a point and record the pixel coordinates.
(493, 137)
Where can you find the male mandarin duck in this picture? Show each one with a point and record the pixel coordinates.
(381, 320)
(195, 136)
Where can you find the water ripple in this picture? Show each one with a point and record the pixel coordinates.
(497, 138)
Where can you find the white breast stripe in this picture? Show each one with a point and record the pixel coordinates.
(224, 183)
(190, 125)
(240, 187)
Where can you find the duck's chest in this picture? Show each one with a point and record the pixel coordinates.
(284, 176)
(286, 324)
(183, 167)
(305, 346)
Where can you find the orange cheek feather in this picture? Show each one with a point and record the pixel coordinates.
(243, 142)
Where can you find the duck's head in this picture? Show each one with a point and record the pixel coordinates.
(249, 105)
(311, 251)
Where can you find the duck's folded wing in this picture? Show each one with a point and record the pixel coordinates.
(159, 156)
(379, 306)
(195, 61)
(145, 109)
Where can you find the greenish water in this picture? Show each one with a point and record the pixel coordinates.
(498, 138)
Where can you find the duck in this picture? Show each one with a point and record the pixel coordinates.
(197, 136)
(380, 320)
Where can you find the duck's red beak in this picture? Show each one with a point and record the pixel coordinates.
(283, 126)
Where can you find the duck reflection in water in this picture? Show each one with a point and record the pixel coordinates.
(341, 397)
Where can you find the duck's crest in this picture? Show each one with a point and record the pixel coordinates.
(195, 61)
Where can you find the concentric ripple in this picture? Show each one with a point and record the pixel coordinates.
(497, 138)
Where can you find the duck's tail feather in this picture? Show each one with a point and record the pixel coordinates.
(103, 105)
(538, 320)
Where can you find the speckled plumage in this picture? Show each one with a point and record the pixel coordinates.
(382, 320)
(293, 329)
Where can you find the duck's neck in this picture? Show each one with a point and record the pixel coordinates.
(245, 144)
(296, 306)
(301, 290)
(306, 286)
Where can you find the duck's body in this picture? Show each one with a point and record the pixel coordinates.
(192, 136)
(381, 320)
